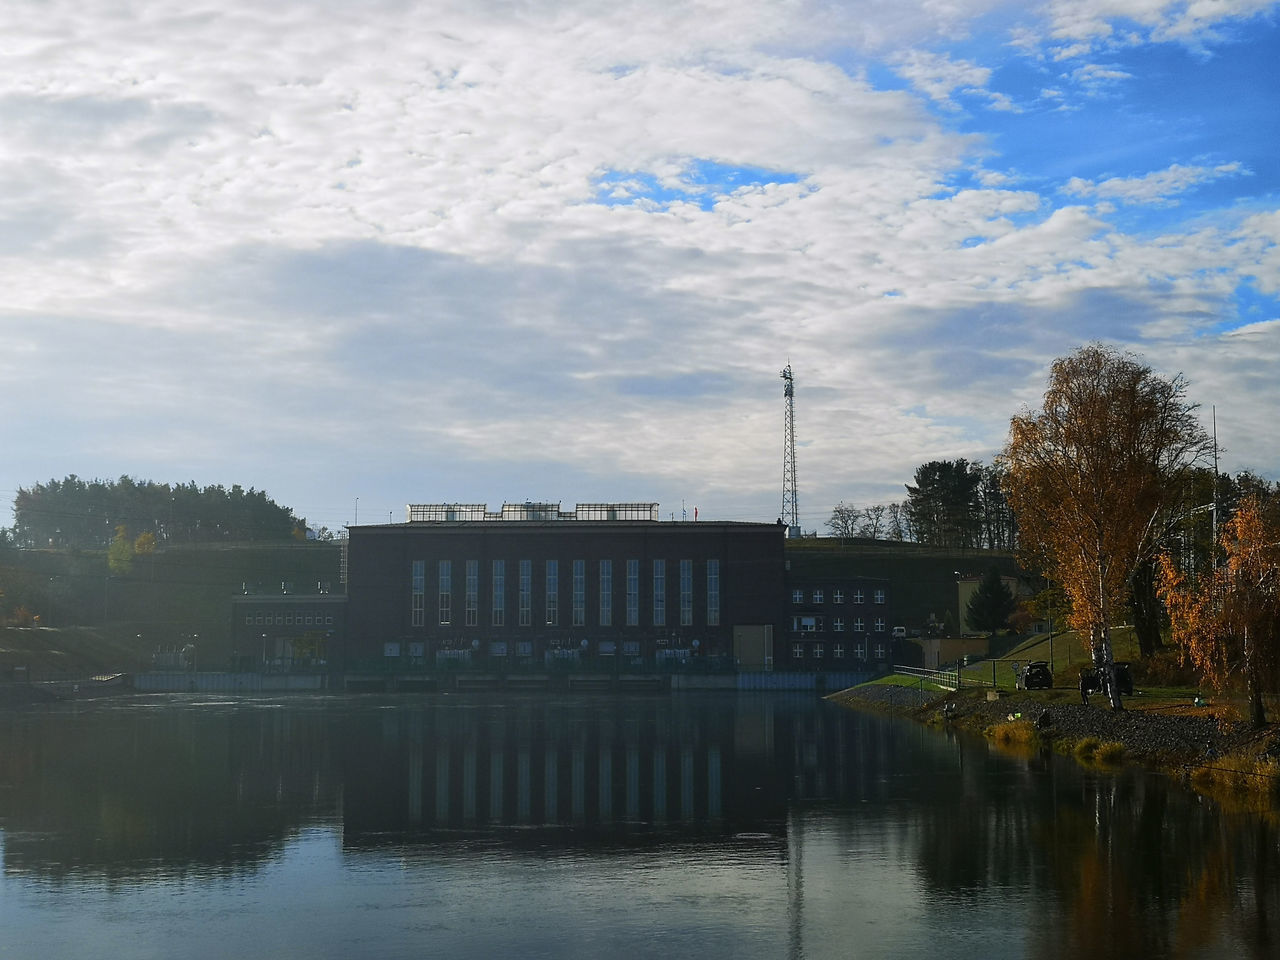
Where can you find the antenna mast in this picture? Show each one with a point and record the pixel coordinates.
(790, 513)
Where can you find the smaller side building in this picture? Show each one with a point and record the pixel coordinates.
(287, 631)
(837, 622)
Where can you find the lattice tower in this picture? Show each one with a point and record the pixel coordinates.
(790, 512)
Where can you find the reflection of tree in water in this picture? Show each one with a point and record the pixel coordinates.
(1144, 870)
(127, 793)
(1128, 865)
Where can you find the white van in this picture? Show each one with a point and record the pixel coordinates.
(899, 633)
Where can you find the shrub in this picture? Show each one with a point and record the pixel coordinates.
(1014, 732)
(1110, 752)
(1086, 748)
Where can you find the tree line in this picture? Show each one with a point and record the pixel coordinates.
(952, 503)
(90, 515)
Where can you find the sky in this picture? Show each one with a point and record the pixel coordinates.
(360, 255)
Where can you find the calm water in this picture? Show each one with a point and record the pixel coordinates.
(708, 827)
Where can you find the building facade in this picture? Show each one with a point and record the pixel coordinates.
(531, 586)
(287, 631)
(837, 622)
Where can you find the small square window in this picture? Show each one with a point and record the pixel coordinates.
(797, 596)
(837, 651)
(879, 596)
(857, 596)
(879, 625)
(879, 651)
(817, 596)
(860, 651)
(837, 625)
(817, 651)
(797, 651)
(837, 596)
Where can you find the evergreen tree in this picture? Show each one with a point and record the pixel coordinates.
(989, 608)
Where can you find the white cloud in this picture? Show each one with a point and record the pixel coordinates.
(1079, 27)
(1155, 187)
(367, 246)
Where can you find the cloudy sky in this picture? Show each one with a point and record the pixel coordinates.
(495, 250)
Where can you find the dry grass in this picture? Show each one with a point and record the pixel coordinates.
(1085, 749)
(1014, 733)
(1239, 775)
(1109, 753)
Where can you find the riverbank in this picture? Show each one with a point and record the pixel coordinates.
(1208, 745)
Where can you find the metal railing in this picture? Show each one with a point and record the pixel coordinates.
(948, 679)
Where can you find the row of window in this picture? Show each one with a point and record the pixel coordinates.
(816, 624)
(500, 648)
(289, 620)
(837, 596)
(816, 650)
(550, 593)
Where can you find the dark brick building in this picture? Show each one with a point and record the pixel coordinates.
(532, 585)
(836, 622)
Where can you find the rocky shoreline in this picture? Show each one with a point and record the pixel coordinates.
(1178, 738)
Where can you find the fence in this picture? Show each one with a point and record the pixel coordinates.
(947, 679)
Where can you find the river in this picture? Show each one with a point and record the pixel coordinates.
(716, 826)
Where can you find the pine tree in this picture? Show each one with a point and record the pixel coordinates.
(989, 608)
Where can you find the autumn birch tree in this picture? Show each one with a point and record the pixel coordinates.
(1093, 478)
(1228, 621)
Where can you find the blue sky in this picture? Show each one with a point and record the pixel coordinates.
(486, 251)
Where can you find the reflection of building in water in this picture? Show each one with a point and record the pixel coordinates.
(646, 764)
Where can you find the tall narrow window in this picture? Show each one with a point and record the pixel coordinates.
(686, 593)
(633, 593)
(526, 593)
(553, 592)
(579, 593)
(713, 593)
(418, 605)
(473, 592)
(446, 591)
(659, 593)
(606, 593)
(499, 604)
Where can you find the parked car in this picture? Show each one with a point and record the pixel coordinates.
(899, 633)
(1037, 676)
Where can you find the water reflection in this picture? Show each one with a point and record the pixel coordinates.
(731, 826)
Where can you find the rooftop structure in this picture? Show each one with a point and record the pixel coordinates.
(455, 512)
